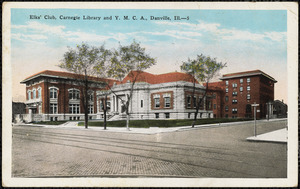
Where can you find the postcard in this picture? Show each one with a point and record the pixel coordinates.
(150, 94)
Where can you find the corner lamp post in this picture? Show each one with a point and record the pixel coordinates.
(255, 105)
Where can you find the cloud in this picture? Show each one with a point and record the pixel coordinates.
(227, 33)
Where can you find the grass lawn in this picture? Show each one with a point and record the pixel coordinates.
(50, 122)
(160, 123)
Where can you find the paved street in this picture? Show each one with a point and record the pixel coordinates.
(221, 152)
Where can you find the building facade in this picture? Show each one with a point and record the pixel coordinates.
(244, 89)
(54, 96)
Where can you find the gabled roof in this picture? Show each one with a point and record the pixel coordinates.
(158, 78)
(66, 75)
(247, 74)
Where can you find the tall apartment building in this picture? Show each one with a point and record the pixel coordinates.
(243, 89)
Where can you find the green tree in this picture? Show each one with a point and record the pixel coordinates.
(203, 69)
(129, 60)
(81, 61)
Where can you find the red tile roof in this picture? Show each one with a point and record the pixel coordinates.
(159, 78)
(60, 74)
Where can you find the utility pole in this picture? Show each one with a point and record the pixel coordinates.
(255, 105)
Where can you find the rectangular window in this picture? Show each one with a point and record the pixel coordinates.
(234, 93)
(167, 115)
(226, 90)
(248, 97)
(241, 80)
(234, 110)
(156, 98)
(226, 109)
(156, 101)
(234, 101)
(248, 80)
(248, 88)
(142, 103)
(226, 82)
(234, 85)
(74, 108)
(188, 101)
(91, 96)
(53, 108)
(167, 102)
(215, 106)
(241, 89)
(90, 109)
(156, 115)
(194, 102)
(226, 98)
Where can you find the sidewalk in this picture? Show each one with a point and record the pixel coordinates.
(274, 136)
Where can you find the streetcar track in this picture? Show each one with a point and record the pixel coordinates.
(143, 156)
(161, 144)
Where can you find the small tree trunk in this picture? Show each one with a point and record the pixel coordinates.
(127, 121)
(104, 111)
(195, 117)
(86, 116)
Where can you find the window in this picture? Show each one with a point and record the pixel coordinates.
(226, 109)
(194, 102)
(215, 106)
(226, 82)
(90, 109)
(241, 89)
(248, 97)
(53, 108)
(234, 93)
(241, 80)
(53, 93)
(34, 94)
(156, 115)
(167, 115)
(90, 96)
(234, 85)
(248, 80)
(188, 101)
(74, 108)
(39, 92)
(29, 94)
(234, 101)
(226, 98)
(74, 94)
(142, 103)
(248, 88)
(167, 100)
(234, 110)
(157, 101)
(226, 90)
(189, 115)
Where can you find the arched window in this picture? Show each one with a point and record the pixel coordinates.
(74, 94)
(53, 93)
(39, 92)
(33, 93)
(29, 94)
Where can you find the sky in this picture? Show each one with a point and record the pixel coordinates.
(244, 39)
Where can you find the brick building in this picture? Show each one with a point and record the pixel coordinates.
(53, 95)
(245, 88)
